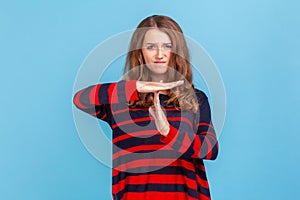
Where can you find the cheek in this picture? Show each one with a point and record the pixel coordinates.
(168, 56)
(147, 57)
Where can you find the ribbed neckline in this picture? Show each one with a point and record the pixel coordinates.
(163, 96)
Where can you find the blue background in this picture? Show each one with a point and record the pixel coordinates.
(255, 45)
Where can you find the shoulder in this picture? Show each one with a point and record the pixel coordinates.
(204, 106)
(201, 96)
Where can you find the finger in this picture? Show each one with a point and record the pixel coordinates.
(156, 98)
(152, 112)
(176, 83)
(160, 116)
(145, 86)
(170, 85)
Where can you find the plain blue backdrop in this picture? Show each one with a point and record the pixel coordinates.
(255, 44)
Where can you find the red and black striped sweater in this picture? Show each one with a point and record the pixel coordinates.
(147, 165)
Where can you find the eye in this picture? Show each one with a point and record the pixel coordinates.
(150, 46)
(168, 46)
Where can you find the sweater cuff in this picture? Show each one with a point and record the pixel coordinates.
(125, 91)
(171, 135)
(131, 91)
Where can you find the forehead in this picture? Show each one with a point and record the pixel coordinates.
(156, 36)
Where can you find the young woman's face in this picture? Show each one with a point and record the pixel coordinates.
(156, 50)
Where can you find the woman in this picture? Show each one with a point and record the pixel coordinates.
(161, 124)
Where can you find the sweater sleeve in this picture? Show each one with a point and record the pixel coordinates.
(202, 142)
(94, 99)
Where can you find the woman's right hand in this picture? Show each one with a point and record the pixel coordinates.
(148, 86)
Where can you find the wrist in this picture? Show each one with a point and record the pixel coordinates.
(165, 130)
(139, 86)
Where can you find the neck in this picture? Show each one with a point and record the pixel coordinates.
(160, 78)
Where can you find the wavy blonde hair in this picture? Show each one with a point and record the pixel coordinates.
(182, 97)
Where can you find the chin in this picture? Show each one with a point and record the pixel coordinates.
(160, 71)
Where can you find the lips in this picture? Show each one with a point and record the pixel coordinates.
(160, 62)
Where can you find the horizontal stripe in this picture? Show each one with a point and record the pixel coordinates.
(169, 170)
(205, 124)
(142, 163)
(209, 133)
(167, 109)
(135, 134)
(181, 119)
(141, 148)
(159, 162)
(115, 112)
(143, 116)
(154, 179)
(144, 156)
(137, 141)
(133, 190)
(156, 195)
(131, 121)
(203, 197)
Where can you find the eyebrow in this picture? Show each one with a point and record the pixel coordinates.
(158, 43)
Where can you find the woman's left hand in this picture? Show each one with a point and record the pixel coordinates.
(150, 86)
(159, 116)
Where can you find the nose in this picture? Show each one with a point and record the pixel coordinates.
(159, 53)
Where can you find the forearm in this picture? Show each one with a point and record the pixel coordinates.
(106, 93)
(200, 146)
(93, 98)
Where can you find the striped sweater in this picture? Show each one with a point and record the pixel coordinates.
(147, 165)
